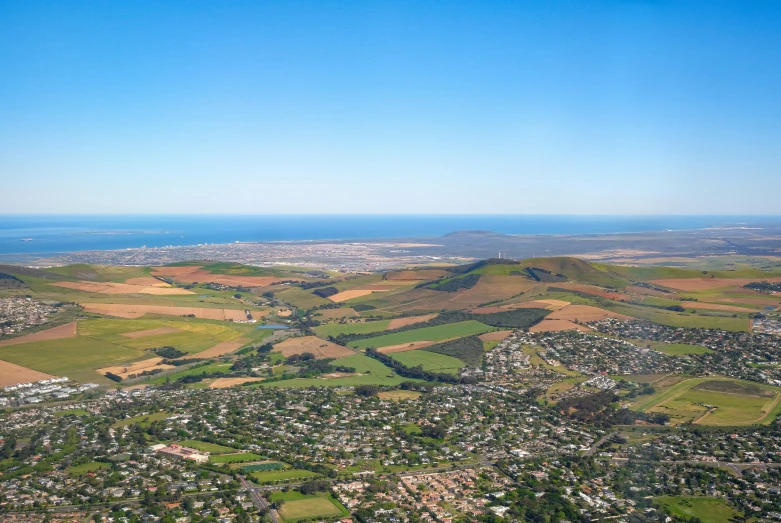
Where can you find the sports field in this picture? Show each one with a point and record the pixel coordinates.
(712, 510)
(437, 333)
(297, 506)
(271, 476)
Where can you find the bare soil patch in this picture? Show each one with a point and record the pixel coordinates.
(495, 335)
(12, 374)
(147, 281)
(334, 314)
(402, 347)
(715, 306)
(224, 347)
(57, 333)
(320, 348)
(584, 313)
(120, 288)
(174, 271)
(224, 383)
(634, 289)
(352, 293)
(122, 310)
(151, 332)
(547, 325)
(412, 320)
(138, 367)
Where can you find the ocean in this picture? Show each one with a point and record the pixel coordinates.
(50, 235)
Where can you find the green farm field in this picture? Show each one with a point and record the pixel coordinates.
(371, 371)
(99, 343)
(334, 329)
(430, 361)
(437, 333)
(715, 401)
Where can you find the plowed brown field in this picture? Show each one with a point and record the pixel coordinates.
(557, 325)
(225, 347)
(120, 288)
(12, 374)
(411, 320)
(122, 310)
(224, 383)
(495, 335)
(135, 368)
(584, 313)
(57, 333)
(320, 348)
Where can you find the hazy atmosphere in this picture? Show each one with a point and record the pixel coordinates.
(390, 107)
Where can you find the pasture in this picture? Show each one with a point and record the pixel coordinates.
(430, 361)
(364, 327)
(368, 372)
(714, 401)
(436, 333)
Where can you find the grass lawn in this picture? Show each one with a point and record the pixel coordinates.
(437, 333)
(299, 506)
(680, 349)
(203, 446)
(144, 420)
(430, 361)
(334, 329)
(711, 510)
(72, 412)
(92, 466)
(234, 458)
(281, 475)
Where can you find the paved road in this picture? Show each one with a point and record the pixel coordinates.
(259, 501)
(595, 446)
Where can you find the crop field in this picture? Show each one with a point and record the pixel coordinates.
(352, 294)
(161, 289)
(430, 361)
(397, 323)
(583, 313)
(495, 335)
(56, 333)
(436, 333)
(715, 401)
(137, 367)
(210, 368)
(363, 327)
(124, 310)
(335, 314)
(320, 348)
(551, 325)
(150, 332)
(401, 347)
(715, 306)
(712, 510)
(12, 374)
(301, 298)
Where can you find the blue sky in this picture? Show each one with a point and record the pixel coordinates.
(592, 107)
